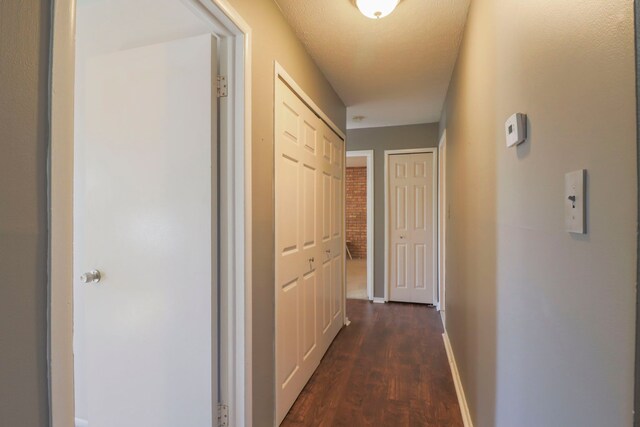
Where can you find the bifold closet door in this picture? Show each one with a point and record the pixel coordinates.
(309, 261)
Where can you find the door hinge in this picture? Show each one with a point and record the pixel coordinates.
(222, 86)
(223, 415)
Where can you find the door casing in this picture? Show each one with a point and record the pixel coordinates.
(387, 241)
(235, 199)
(442, 225)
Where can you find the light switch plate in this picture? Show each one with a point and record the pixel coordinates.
(515, 129)
(574, 201)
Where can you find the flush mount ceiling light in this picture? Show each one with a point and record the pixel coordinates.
(376, 9)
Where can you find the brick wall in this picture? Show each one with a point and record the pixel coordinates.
(356, 211)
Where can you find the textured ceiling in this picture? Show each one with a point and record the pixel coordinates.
(392, 71)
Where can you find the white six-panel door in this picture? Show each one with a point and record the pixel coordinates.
(309, 261)
(411, 227)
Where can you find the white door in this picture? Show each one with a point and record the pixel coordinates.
(309, 240)
(330, 230)
(412, 227)
(145, 335)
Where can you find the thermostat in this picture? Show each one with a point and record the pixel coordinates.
(516, 129)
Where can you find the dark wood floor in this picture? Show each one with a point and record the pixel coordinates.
(388, 368)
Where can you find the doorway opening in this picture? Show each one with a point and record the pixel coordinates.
(161, 163)
(145, 95)
(359, 224)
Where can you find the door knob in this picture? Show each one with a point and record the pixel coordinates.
(92, 276)
(402, 237)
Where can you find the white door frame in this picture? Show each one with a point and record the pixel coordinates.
(235, 210)
(442, 225)
(368, 154)
(388, 153)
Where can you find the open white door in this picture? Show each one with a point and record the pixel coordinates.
(145, 335)
(412, 227)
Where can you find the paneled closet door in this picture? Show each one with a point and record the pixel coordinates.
(332, 292)
(308, 227)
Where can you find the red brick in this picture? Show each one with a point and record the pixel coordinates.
(356, 211)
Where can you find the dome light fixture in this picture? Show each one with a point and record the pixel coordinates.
(376, 9)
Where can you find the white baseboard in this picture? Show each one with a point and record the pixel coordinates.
(462, 400)
(378, 300)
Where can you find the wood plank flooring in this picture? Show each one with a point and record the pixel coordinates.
(388, 368)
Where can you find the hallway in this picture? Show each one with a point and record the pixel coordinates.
(221, 170)
(387, 368)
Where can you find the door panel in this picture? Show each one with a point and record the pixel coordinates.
(336, 290)
(309, 315)
(412, 264)
(288, 206)
(309, 215)
(335, 211)
(420, 204)
(401, 265)
(327, 280)
(309, 221)
(288, 323)
(420, 266)
(145, 336)
(402, 210)
(326, 206)
(310, 137)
